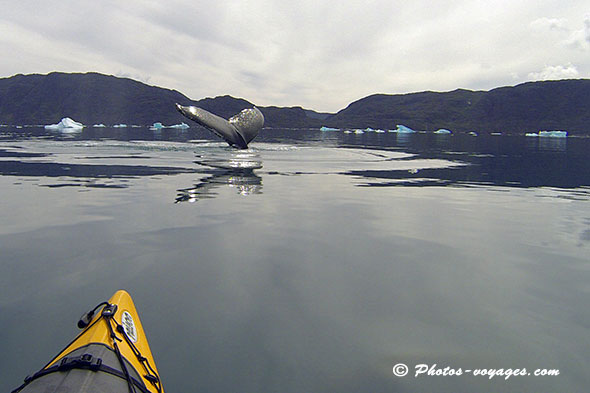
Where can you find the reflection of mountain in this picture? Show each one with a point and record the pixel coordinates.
(538, 169)
(235, 171)
(84, 174)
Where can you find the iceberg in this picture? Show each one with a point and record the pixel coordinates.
(548, 134)
(120, 125)
(181, 126)
(553, 134)
(157, 126)
(401, 129)
(324, 128)
(65, 125)
(442, 131)
(99, 125)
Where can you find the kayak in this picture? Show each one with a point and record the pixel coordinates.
(111, 354)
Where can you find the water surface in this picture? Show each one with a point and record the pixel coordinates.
(311, 262)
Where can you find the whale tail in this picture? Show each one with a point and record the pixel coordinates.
(238, 131)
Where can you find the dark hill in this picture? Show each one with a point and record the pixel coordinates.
(96, 98)
(529, 107)
(88, 98)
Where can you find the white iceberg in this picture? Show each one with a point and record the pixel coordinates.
(553, 134)
(531, 134)
(324, 128)
(120, 125)
(65, 125)
(442, 131)
(99, 125)
(401, 129)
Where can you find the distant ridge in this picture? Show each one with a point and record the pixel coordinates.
(528, 107)
(93, 98)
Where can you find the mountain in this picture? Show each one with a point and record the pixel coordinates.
(93, 98)
(96, 98)
(529, 107)
(88, 98)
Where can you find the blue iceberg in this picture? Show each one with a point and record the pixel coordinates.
(181, 126)
(157, 126)
(324, 128)
(65, 125)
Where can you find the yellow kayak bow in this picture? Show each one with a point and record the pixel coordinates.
(111, 354)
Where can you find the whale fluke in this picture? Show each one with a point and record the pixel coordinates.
(238, 131)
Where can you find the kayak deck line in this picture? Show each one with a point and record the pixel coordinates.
(107, 355)
(89, 360)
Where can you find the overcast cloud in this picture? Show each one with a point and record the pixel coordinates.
(317, 54)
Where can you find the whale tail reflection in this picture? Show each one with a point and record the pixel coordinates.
(238, 171)
(238, 131)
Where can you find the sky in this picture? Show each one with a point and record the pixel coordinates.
(318, 54)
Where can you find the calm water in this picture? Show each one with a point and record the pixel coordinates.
(312, 262)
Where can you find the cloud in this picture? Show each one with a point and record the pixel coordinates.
(580, 39)
(309, 53)
(550, 23)
(567, 71)
(571, 36)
